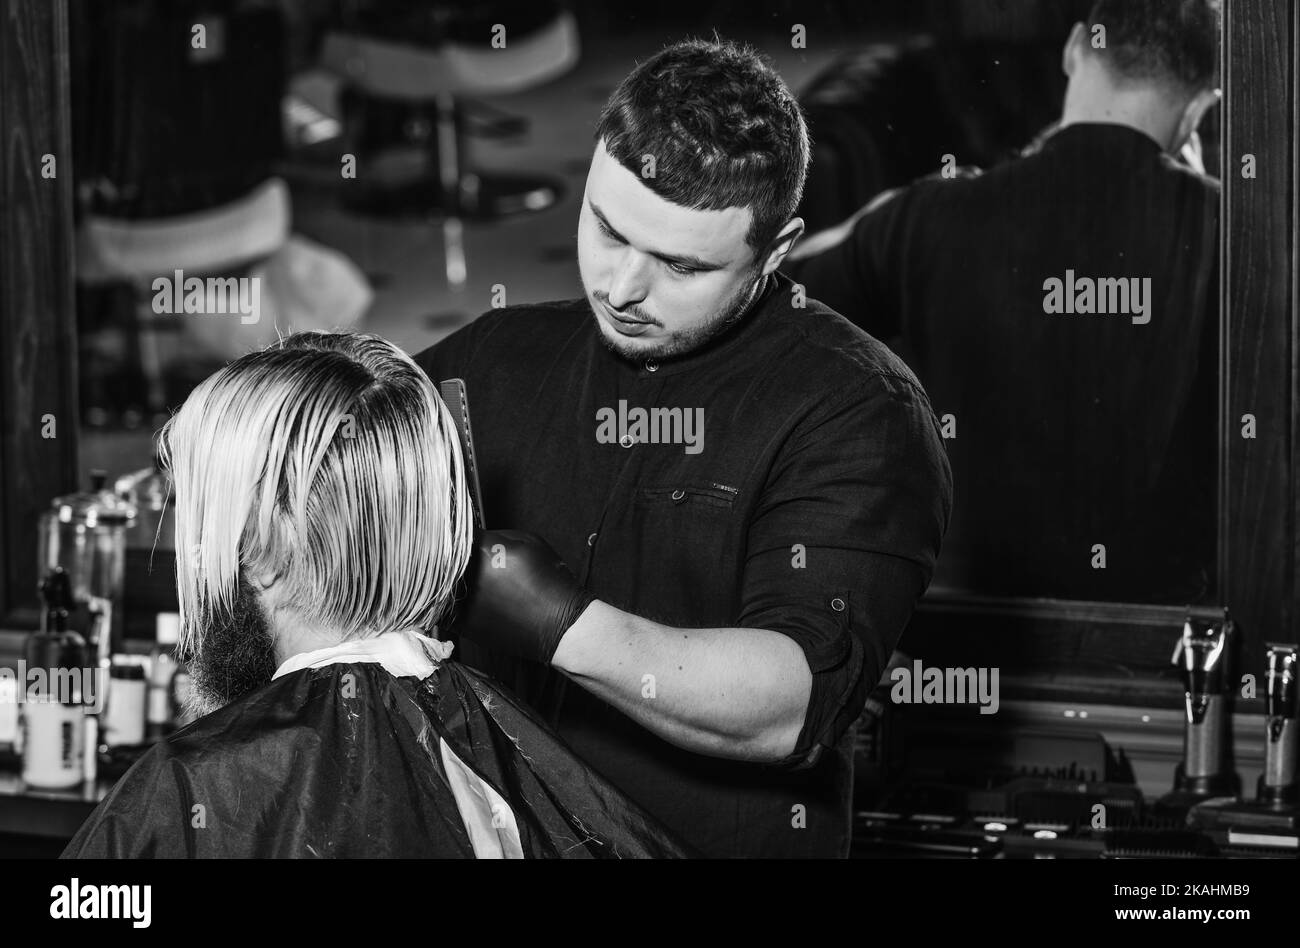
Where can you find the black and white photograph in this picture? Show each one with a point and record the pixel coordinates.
(861, 432)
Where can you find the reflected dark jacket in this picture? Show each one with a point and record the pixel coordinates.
(1066, 431)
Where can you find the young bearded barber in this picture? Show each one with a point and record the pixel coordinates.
(724, 583)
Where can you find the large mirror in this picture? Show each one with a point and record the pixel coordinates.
(369, 168)
(371, 164)
(1059, 300)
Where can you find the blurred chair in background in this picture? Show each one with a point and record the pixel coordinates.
(411, 75)
(178, 129)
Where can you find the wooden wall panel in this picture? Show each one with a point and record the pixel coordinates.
(38, 349)
(1257, 543)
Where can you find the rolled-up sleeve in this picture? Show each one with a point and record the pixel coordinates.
(844, 542)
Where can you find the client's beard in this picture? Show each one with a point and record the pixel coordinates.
(237, 655)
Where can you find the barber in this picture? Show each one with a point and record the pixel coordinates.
(724, 584)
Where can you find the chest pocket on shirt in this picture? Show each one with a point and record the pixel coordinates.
(693, 497)
(691, 541)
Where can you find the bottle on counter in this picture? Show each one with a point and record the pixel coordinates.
(53, 721)
(85, 534)
(148, 492)
(163, 669)
(128, 697)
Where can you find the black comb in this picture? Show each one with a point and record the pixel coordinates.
(453, 394)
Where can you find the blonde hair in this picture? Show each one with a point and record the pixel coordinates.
(329, 461)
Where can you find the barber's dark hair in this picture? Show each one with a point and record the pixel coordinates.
(722, 127)
(1173, 40)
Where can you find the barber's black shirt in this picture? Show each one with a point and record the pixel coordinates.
(1068, 431)
(814, 508)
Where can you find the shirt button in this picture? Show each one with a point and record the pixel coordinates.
(679, 496)
(591, 540)
(651, 365)
(627, 441)
(837, 604)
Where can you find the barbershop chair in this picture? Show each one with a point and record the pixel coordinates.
(224, 240)
(176, 135)
(178, 147)
(408, 107)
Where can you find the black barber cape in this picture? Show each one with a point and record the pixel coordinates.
(348, 760)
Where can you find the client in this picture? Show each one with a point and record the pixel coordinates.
(322, 527)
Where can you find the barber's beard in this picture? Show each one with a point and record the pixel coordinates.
(237, 655)
(685, 340)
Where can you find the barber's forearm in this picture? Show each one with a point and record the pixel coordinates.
(735, 693)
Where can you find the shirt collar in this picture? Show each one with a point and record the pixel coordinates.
(403, 654)
(1100, 134)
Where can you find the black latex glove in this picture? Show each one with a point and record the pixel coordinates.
(520, 597)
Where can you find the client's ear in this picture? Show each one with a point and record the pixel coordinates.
(262, 580)
(266, 589)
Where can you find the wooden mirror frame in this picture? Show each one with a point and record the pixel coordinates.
(1119, 653)
(38, 323)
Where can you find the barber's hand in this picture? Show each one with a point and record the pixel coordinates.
(521, 598)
